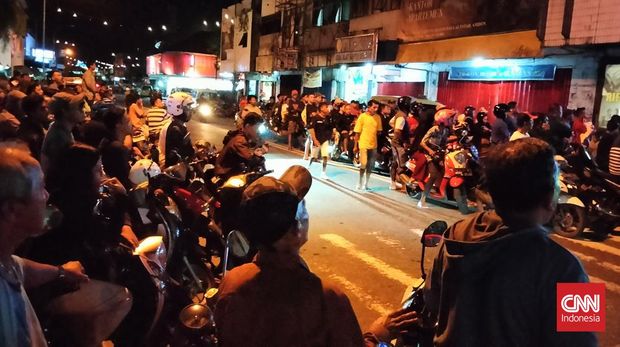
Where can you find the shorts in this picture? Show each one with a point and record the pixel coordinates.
(368, 157)
(323, 150)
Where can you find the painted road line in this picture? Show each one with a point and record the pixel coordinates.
(612, 287)
(379, 265)
(330, 162)
(599, 246)
(352, 289)
(604, 264)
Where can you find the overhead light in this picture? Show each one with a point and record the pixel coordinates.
(149, 29)
(226, 15)
(59, 10)
(217, 24)
(232, 21)
(138, 65)
(204, 22)
(74, 15)
(105, 22)
(136, 58)
(113, 54)
(128, 57)
(66, 43)
(57, 41)
(164, 28)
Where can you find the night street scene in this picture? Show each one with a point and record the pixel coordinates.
(308, 173)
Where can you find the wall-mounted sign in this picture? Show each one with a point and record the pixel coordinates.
(287, 59)
(610, 101)
(423, 20)
(356, 49)
(313, 79)
(544, 72)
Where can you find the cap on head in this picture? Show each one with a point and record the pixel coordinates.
(296, 181)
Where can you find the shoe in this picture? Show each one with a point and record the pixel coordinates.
(358, 186)
(324, 176)
(306, 157)
(396, 186)
(367, 188)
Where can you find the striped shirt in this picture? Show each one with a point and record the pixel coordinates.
(155, 118)
(614, 160)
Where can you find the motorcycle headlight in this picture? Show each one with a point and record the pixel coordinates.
(262, 129)
(205, 110)
(235, 182)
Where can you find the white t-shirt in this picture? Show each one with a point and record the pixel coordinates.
(19, 325)
(398, 122)
(518, 135)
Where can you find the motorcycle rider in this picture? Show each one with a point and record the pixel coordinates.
(494, 280)
(276, 300)
(240, 152)
(321, 132)
(175, 142)
(251, 106)
(400, 140)
(435, 139)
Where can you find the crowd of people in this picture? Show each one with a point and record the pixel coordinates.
(415, 127)
(70, 145)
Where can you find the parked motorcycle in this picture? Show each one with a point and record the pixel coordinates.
(423, 336)
(589, 197)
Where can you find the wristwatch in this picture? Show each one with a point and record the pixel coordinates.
(61, 272)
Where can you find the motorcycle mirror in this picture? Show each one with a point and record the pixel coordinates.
(196, 316)
(238, 243)
(433, 233)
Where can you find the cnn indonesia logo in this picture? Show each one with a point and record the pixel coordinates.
(580, 307)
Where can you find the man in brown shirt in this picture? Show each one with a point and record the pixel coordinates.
(276, 300)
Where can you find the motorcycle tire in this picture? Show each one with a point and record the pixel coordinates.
(569, 220)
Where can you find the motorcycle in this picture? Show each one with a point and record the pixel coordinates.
(589, 197)
(423, 336)
(460, 174)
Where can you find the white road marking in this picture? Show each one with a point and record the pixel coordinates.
(589, 258)
(361, 295)
(594, 245)
(612, 287)
(377, 264)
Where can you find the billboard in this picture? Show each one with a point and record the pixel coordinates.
(424, 20)
(542, 72)
(610, 102)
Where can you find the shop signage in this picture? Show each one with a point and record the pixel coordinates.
(287, 59)
(610, 100)
(543, 72)
(313, 79)
(423, 20)
(356, 49)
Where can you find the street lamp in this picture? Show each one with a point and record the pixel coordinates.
(149, 29)
(232, 21)
(128, 57)
(57, 41)
(74, 15)
(105, 22)
(113, 54)
(69, 52)
(204, 22)
(66, 43)
(164, 28)
(59, 10)
(226, 15)
(217, 24)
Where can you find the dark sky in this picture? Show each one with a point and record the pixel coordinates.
(127, 24)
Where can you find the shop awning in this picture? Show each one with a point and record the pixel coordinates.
(523, 44)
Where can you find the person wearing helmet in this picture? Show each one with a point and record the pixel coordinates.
(500, 132)
(175, 142)
(436, 138)
(400, 140)
(240, 152)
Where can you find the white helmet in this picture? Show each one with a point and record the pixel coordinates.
(178, 102)
(142, 170)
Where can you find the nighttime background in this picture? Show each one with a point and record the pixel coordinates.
(128, 21)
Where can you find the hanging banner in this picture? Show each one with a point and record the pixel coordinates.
(543, 72)
(610, 101)
(313, 79)
(356, 49)
(424, 20)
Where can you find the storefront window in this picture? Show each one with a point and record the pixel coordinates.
(610, 102)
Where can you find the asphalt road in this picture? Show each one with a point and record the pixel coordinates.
(368, 243)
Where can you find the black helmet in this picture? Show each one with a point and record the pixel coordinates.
(469, 109)
(404, 103)
(500, 110)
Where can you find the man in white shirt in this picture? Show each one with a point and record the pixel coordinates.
(524, 125)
